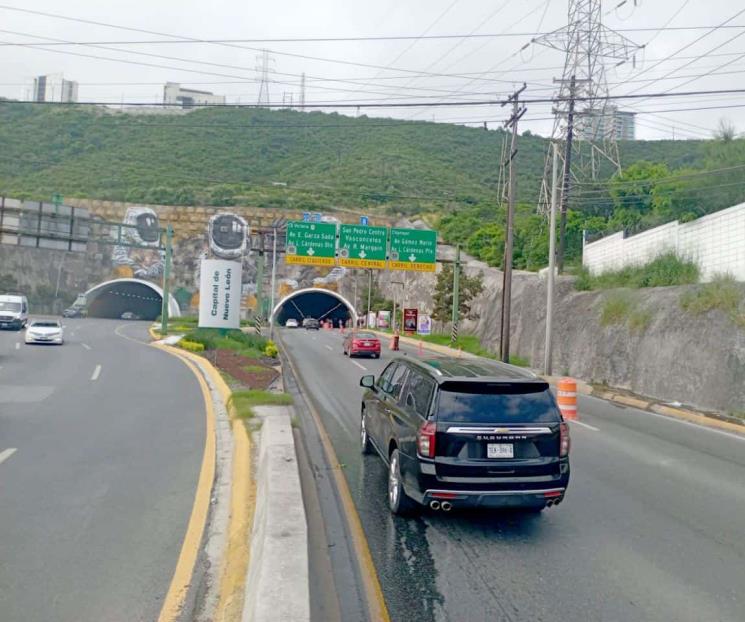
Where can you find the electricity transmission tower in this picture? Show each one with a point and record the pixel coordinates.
(264, 66)
(584, 120)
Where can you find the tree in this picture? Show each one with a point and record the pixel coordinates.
(725, 131)
(468, 288)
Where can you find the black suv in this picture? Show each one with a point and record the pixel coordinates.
(465, 433)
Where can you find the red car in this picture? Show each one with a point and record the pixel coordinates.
(362, 344)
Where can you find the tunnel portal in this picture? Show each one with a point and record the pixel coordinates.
(314, 302)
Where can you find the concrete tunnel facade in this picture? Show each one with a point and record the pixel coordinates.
(112, 298)
(314, 302)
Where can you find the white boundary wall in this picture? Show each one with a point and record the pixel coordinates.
(716, 242)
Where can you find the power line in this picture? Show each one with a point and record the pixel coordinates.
(352, 39)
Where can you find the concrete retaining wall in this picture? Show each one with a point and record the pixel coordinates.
(716, 242)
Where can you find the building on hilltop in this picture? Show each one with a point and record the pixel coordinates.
(54, 88)
(174, 94)
(614, 124)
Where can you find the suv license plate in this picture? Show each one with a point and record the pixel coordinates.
(501, 450)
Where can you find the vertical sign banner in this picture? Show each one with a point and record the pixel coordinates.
(362, 246)
(413, 249)
(384, 319)
(220, 294)
(311, 243)
(410, 321)
(424, 324)
(371, 317)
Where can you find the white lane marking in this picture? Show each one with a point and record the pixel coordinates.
(362, 367)
(328, 348)
(86, 346)
(7, 453)
(96, 373)
(18, 345)
(698, 426)
(585, 425)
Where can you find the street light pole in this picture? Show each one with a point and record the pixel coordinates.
(551, 262)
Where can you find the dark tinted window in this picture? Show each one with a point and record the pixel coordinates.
(397, 381)
(384, 381)
(487, 403)
(419, 393)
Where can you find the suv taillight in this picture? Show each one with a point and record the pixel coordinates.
(564, 440)
(425, 439)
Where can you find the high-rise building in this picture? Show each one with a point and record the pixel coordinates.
(174, 94)
(609, 124)
(54, 88)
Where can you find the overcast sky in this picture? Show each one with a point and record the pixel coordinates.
(495, 65)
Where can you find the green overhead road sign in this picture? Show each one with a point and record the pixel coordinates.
(362, 246)
(311, 243)
(413, 249)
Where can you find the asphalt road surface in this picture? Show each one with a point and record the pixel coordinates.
(652, 528)
(108, 436)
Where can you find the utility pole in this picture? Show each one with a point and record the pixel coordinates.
(517, 113)
(456, 295)
(302, 92)
(274, 277)
(260, 278)
(567, 173)
(369, 297)
(166, 279)
(551, 261)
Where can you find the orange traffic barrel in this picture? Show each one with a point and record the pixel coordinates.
(566, 396)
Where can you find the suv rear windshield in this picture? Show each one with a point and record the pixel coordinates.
(464, 402)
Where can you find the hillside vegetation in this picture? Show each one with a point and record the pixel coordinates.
(319, 161)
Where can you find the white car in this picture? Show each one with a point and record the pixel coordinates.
(44, 331)
(292, 323)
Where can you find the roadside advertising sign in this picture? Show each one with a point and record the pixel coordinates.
(362, 246)
(371, 319)
(413, 249)
(384, 319)
(220, 294)
(410, 321)
(424, 324)
(311, 243)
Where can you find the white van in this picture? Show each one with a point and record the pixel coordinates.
(13, 311)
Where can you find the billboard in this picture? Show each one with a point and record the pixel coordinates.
(371, 319)
(424, 324)
(384, 319)
(410, 321)
(220, 294)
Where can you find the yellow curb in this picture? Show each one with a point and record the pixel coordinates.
(182, 576)
(242, 505)
(631, 401)
(373, 590)
(696, 418)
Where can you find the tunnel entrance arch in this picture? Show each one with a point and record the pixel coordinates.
(144, 299)
(314, 302)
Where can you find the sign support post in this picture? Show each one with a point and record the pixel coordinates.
(166, 282)
(456, 294)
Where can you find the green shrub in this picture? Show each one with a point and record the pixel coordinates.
(270, 350)
(723, 293)
(243, 401)
(191, 346)
(639, 320)
(664, 270)
(616, 308)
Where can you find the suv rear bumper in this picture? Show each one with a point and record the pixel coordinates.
(495, 498)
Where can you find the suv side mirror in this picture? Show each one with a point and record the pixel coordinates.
(368, 382)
